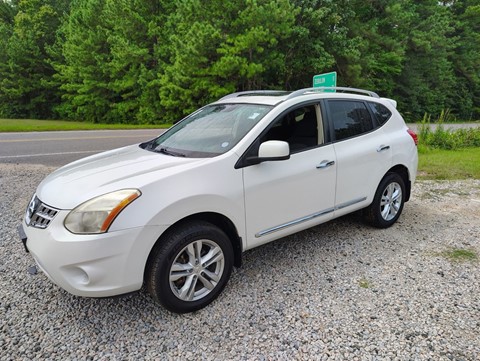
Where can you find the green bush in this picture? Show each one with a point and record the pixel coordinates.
(448, 139)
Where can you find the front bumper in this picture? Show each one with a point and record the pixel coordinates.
(99, 265)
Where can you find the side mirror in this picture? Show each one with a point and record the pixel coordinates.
(270, 150)
(273, 150)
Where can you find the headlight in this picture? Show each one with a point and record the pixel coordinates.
(97, 214)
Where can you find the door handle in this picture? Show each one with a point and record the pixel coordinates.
(325, 164)
(382, 148)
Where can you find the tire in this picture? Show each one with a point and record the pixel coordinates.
(388, 202)
(189, 266)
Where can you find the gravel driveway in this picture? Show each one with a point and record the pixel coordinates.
(339, 291)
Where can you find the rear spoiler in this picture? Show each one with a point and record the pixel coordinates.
(394, 102)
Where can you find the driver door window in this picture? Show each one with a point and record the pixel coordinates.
(300, 128)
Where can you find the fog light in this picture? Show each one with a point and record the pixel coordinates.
(77, 276)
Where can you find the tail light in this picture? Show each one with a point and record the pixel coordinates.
(413, 135)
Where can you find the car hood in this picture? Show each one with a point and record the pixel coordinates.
(129, 167)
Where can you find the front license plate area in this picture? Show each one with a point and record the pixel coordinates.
(23, 237)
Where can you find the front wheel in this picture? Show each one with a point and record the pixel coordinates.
(388, 202)
(189, 267)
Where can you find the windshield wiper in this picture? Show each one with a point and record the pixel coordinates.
(164, 150)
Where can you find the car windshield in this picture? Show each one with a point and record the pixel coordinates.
(210, 131)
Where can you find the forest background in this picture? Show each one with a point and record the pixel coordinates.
(152, 62)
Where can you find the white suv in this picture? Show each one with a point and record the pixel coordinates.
(176, 213)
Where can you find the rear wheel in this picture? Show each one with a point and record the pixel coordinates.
(388, 202)
(189, 267)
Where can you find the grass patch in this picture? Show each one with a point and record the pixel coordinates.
(460, 255)
(446, 154)
(440, 164)
(33, 125)
(364, 283)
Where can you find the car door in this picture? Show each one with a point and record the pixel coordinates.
(362, 152)
(283, 197)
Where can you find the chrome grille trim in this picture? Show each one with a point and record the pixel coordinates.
(38, 214)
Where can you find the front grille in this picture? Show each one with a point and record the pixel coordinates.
(39, 215)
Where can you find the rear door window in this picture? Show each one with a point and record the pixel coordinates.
(349, 118)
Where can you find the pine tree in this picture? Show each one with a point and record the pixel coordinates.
(466, 58)
(427, 79)
(111, 54)
(305, 49)
(82, 74)
(25, 85)
(218, 47)
(7, 16)
(146, 61)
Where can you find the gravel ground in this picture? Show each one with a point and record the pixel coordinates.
(339, 291)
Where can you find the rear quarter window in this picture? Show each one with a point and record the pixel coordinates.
(380, 112)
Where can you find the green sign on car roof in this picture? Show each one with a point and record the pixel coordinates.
(325, 80)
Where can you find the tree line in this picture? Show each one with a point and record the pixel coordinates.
(153, 61)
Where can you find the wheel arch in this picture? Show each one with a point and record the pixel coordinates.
(218, 220)
(403, 172)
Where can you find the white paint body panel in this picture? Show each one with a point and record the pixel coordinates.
(359, 165)
(281, 192)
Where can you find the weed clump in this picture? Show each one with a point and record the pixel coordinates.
(447, 139)
(460, 255)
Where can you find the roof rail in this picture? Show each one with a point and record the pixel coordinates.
(336, 88)
(255, 92)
